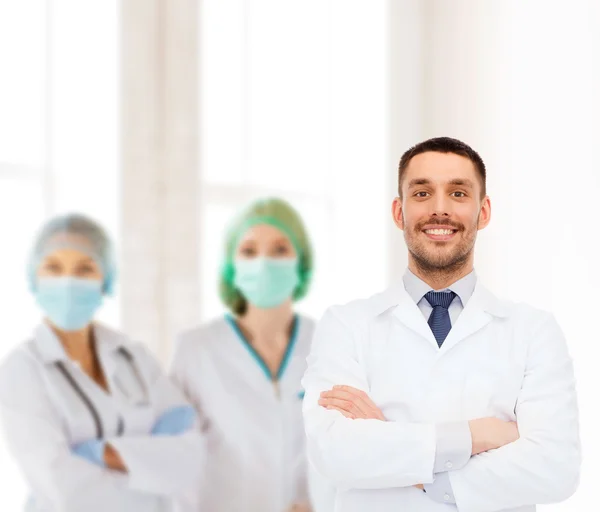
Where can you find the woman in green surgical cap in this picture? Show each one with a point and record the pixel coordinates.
(242, 372)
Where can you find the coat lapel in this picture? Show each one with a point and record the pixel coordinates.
(481, 309)
(410, 315)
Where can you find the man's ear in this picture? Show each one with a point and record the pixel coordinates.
(397, 213)
(485, 215)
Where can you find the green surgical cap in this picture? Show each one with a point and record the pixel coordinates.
(281, 215)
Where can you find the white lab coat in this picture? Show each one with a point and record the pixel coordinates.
(322, 492)
(500, 359)
(42, 417)
(255, 437)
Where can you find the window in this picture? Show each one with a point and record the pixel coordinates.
(83, 124)
(22, 171)
(58, 148)
(278, 117)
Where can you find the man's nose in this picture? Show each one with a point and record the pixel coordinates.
(441, 206)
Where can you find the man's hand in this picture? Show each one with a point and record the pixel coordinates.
(491, 433)
(486, 433)
(351, 402)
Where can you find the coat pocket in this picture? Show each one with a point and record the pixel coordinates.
(492, 391)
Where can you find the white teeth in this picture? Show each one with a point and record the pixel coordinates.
(439, 231)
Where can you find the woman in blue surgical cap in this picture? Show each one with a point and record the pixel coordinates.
(243, 371)
(87, 414)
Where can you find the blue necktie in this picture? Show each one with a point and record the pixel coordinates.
(439, 320)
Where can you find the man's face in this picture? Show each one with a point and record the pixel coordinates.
(441, 210)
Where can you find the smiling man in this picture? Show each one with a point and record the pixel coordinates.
(435, 395)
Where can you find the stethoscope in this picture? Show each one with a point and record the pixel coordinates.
(89, 404)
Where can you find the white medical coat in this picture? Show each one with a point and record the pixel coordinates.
(255, 435)
(500, 359)
(42, 416)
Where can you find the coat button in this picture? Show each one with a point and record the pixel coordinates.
(446, 497)
(448, 465)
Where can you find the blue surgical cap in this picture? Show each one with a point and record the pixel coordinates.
(74, 231)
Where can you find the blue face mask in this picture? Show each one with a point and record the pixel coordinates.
(266, 282)
(69, 302)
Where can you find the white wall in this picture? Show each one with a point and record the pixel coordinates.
(407, 100)
(159, 194)
(519, 82)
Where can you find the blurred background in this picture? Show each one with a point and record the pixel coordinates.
(161, 118)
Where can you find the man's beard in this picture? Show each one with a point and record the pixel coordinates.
(444, 261)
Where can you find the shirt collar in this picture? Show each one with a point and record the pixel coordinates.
(417, 288)
(397, 296)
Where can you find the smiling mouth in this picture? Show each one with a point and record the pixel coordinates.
(444, 231)
(440, 234)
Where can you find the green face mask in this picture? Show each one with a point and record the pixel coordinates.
(266, 282)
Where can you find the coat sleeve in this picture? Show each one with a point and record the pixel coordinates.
(36, 439)
(183, 363)
(322, 492)
(164, 465)
(179, 374)
(543, 465)
(367, 454)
